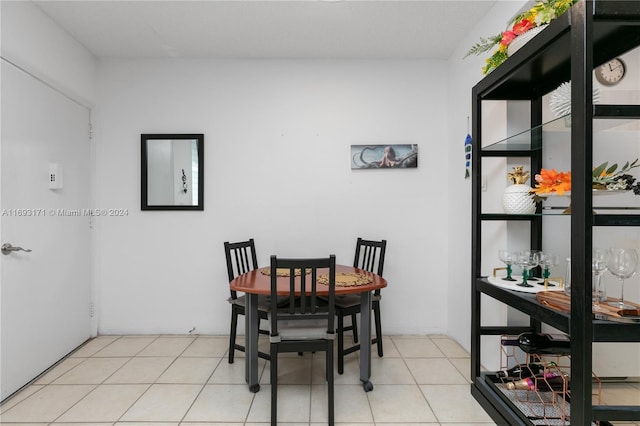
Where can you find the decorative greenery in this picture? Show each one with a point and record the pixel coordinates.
(603, 178)
(541, 13)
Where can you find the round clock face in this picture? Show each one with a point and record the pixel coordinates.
(611, 72)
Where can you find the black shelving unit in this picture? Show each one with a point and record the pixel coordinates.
(589, 34)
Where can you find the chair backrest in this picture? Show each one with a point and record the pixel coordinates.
(241, 258)
(370, 256)
(306, 305)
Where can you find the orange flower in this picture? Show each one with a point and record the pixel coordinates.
(522, 27)
(552, 181)
(507, 37)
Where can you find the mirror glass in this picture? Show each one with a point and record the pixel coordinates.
(172, 171)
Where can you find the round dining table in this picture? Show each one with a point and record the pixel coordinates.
(258, 282)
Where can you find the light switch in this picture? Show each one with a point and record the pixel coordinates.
(55, 176)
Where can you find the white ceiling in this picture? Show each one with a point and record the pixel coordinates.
(380, 29)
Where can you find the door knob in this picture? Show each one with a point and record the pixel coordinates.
(8, 248)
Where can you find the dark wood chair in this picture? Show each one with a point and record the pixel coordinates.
(306, 324)
(241, 258)
(369, 256)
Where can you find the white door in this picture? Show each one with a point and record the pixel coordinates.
(44, 294)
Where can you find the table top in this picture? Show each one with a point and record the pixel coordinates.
(256, 282)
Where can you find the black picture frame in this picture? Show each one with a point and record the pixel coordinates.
(191, 178)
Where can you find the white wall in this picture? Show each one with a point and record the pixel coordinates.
(31, 40)
(463, 75)
(272, 128)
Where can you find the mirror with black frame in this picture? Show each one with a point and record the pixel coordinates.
(172, 171)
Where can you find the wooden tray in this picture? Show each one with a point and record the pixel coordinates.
(559, 301)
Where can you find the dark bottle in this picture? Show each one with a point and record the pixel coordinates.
(541, 343)
(549, 382)
(522, 371)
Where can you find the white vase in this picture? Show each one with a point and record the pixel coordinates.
(517, 200)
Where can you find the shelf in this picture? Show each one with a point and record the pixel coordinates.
(603, 331)
(568, 49)
(520, 144)
(544, 63)
(612, 117)
(598, 219)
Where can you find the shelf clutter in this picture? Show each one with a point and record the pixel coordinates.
(539, 386)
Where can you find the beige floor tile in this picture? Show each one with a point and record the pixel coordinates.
(434, 371)
(450, 347)
(47, 404)
(207, 346)
(351, 373)
(399, 403)
(294, 402)
(291, 371)
(167, 346)
(417, 347)
(144, 424)
(190, 370)
(141, 370)
(390, 371)
(226, 403)
(350, 403)
(211, 424)
(83, 424)
(163, 403)
(18, 397)
(60, 369)
(463, 365)
(126, 346)
(226, 373)
(91, 371)
(416, 424)
(93, 346)
(26, 424)
(620, 394)
(454, 403)
(389, 349)
(106, 403)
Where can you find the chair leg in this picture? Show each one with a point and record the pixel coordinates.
(232, 334)
(330, 382)
(274, 385)
(354, 324)
(340, 344)
(376, 314)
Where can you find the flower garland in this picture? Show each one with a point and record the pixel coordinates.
(541, 13)
(603, 178)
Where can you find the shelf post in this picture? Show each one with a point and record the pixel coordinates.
(581, 328)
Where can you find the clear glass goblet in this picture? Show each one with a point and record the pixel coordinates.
(532, 277)
(548, 261)
(527, 260)
(622, 263)
(509, 258)
(598, 267)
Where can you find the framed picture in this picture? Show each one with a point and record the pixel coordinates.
(398, 156)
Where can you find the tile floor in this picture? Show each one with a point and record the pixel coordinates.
(186, 380)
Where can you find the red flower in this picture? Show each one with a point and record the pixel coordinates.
(522, 27)
(507, 37)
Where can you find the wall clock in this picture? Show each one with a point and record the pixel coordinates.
(611, 72)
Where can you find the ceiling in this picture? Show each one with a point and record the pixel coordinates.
(379, 29)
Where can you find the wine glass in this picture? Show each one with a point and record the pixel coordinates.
(509, 258)
(622, 263)
(598, 267)
(539, 255)
(527, 260)
(547, 261)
